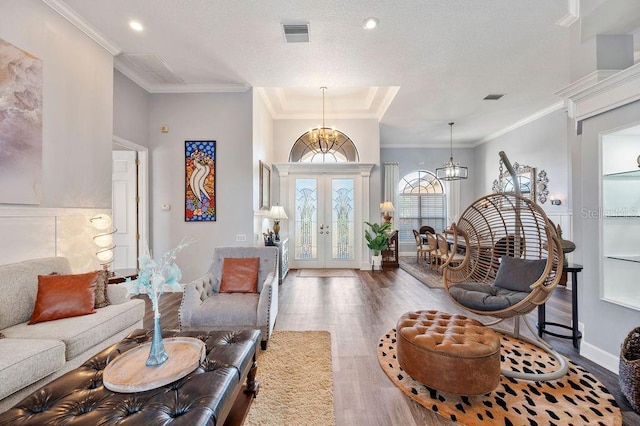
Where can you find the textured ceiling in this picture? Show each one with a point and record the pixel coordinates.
(429, 62)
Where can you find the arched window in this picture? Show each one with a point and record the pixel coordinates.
(422, 201)
(305, 149)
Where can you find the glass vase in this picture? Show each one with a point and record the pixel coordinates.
(157, 354)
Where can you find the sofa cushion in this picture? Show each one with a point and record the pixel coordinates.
(485, 297)
(230, 309)
(240, 275)
(19, 287)
(82, 333)
(63, 296)
(25, 361)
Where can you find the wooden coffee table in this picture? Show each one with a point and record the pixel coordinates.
(219, 391)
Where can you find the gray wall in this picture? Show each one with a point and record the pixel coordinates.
(227, 119)
(77, 104)
(541, 144)
(606, 324)
(130, 110)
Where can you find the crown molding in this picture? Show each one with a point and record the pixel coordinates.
(533, 117)
(198, 88)
(285, 169)
(573, 14)
(587, 100)
(72, 16)
(584, 83)
(423, 146)
(392, 91)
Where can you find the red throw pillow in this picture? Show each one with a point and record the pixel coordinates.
(239, 275)
(63, 296)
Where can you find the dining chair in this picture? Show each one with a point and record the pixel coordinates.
(434, 252)
(420, 249)
(447, 255)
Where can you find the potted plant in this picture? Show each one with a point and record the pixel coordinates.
(377, 240)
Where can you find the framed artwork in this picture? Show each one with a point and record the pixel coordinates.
(200, 181)
(20, 126)
(265, 187)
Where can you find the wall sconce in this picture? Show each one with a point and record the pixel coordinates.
(555, 201)
(104, 239)
(386, 208)
(276, 213)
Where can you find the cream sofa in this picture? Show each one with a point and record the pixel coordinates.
(32, 355)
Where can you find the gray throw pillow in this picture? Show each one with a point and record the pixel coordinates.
(518, 274)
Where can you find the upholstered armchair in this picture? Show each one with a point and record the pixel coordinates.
(223, 299)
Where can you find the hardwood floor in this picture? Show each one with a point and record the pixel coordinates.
(357, 311)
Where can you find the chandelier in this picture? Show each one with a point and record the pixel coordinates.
(451, 170)
(323, 138)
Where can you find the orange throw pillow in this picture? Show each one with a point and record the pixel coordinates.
(239, 275)
(64, 296)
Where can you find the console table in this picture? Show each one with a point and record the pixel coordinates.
(390, 255)
(575, 335)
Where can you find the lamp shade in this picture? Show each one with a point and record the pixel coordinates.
(103, 240)
(101, 221)
(277, 212)
(105, 256)
(387, 206)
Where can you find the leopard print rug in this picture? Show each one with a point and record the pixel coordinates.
(576, 399)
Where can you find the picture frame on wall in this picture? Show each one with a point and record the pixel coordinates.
(265, 186)
(200, 181)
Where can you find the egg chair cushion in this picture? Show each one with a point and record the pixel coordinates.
(485, 297)
(518, 274)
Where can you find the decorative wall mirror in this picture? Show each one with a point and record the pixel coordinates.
(532, 186)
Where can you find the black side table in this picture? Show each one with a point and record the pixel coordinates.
(576, 335)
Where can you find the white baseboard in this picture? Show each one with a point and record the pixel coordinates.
(605, 359)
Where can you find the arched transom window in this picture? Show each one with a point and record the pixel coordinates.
(308, 149)
(422, 201)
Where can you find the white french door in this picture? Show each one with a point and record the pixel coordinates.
(324, 222)
(327, 204)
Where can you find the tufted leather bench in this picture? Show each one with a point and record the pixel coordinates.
(449, 353)
(205, 396)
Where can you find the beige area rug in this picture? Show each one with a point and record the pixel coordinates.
(326, 273)
(430, 277)
(576, 399)
(296, 381)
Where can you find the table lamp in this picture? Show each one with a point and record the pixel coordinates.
(387, 207)
(276, 213)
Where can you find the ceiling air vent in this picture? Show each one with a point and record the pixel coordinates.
(296, 33)
(493, 97)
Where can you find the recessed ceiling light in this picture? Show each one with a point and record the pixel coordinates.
(136, 25)
(493, 97)
(370, 23)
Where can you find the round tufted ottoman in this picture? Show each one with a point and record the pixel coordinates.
(449, 353)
